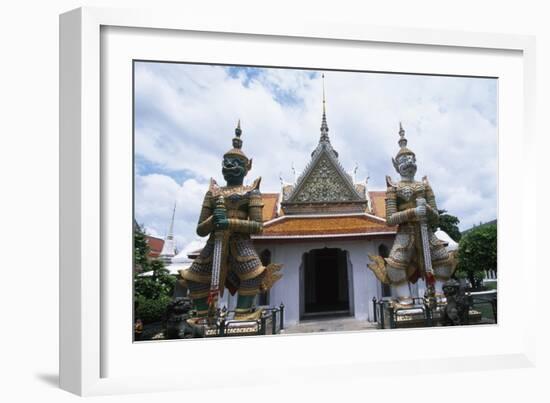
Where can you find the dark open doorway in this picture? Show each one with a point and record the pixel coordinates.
(325, 283)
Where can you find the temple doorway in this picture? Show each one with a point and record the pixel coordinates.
(325, 283)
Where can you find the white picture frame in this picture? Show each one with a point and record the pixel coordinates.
(86, 176)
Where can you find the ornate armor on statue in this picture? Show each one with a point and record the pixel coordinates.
(408, 204)
(232, 213)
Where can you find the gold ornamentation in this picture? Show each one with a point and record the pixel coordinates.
(245, 226)
(378, 267)
(248, 291)
(271, 276)
(248, 315)
(203, 260)
(397, 264)
(187, 274)
(198, 294)
(256, 201)
(206, 222)
(451, 261)
(225, 191)
(238, 214)
(235, 252)
(402, 303)
(252, 274)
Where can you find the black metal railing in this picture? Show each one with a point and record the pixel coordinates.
(386, 314)
(388, 317)
(271, 321)
(487, 299)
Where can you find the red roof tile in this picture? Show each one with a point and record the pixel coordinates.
(155, 246)
(378, 199)
(270, 205)
(330, 225)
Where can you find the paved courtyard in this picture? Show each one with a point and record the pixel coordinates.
(330, 325)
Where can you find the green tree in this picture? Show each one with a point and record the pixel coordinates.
(141, 250)
(477, 252)
(153, 284)
(449, 224)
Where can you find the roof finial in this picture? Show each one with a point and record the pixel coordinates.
(324, 126)
(324, 93)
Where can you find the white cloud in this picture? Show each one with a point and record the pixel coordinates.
(155, 196)
(186, 115)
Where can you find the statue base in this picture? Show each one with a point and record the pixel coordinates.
(390, 316)
(263, 321)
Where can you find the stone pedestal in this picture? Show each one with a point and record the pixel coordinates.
(417, 316)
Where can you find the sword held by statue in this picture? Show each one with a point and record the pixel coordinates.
(216, 265)
(430, 279)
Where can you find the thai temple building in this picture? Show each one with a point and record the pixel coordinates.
(322, 228)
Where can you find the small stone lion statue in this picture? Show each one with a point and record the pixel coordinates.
(458, 304)
(176, 324)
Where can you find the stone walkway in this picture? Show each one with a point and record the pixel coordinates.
(330, 325)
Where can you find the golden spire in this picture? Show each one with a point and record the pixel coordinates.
(324, 126)
(324, 111)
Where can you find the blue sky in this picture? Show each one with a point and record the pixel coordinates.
(185, 117)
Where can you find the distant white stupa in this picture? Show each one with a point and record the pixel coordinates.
(443, 236)
(169, 248)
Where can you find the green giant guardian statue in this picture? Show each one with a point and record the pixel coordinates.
(230, 215)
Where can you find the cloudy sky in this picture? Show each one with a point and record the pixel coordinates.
(185, 117)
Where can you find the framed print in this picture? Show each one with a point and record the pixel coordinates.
(150, 105)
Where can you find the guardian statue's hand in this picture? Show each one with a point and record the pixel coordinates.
(420, 209)
(220, 218)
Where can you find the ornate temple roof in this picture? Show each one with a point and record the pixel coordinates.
(269, 201)
(378, 203)
(325, 226)
(291, 226)
(324, 181)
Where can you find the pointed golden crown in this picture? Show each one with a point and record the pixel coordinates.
(237, 144)
(403, 150)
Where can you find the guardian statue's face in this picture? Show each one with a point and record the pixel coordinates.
(234, 169)
(406, 165)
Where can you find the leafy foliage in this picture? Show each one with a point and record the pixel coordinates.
(152, 310)
(477, 253)
(449, 224)
(153, 284)
(141, 250)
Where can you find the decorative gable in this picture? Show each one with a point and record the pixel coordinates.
(324, 183)
(324, 187)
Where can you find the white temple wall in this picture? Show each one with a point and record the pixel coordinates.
(357, 252)
(287, 289)
(363, 285)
